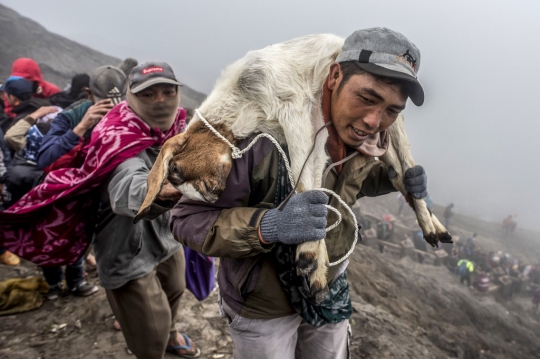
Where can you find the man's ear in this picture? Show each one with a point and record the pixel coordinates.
(12, 100)
(89, 93)
(334, 78)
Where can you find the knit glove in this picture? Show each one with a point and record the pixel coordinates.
(302, 219)
(414, 180)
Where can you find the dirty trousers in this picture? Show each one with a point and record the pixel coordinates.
(147, 307)
(288, 337)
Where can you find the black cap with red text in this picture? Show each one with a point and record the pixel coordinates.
(149, 74)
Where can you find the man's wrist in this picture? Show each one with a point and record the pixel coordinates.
(80, 130)
(31, 119)
(261, 239)
(268, 226)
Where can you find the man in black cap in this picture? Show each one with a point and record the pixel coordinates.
(141, 265)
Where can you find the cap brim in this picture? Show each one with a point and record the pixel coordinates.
(414, 89)
(154, 81)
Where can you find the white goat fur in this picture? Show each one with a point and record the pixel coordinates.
(278, 90)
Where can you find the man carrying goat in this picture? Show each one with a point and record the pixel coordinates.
(268, 304)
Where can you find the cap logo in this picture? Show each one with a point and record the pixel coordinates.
(407, 58)
(115, 96)
(152, 69)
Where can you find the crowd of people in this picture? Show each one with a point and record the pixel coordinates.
(468, 261)
(475, 267)
(45, 130)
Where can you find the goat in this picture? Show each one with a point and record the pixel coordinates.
(275, 90)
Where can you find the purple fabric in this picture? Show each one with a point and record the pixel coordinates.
(200, 274)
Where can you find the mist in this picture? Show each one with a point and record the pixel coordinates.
(476, 132)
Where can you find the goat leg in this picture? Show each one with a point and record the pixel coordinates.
(312, 260)
(399, 157)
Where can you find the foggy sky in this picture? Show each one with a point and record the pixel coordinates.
(476, 133)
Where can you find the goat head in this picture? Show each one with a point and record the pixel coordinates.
(195, 162)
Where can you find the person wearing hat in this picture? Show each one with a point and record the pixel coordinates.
(62, 146)
(72, 127)
(263, 298)
(141, 266)
(74, 91)
(14, 182)
(29, 70)
(18, 95)
(17, 91)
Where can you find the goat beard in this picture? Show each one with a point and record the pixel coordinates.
(160, 115)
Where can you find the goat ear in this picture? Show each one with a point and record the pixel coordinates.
(159, 173)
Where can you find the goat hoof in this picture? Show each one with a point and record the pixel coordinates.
(445, 237)
(318, 284)
(306, 263)
(431, 238)
(319, 295)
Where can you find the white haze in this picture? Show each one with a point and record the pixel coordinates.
(475, 134)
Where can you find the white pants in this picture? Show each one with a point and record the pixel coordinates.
(288, 337)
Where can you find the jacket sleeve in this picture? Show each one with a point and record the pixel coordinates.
(59, 140)
(229, 227)
(377, 182)
(127, 189)
(16, 135)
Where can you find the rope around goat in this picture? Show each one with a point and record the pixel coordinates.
(237, 153)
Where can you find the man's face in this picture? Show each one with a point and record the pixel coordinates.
(12, 100)
(363, 106)
(159, 100)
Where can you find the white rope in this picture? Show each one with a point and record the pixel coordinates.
(237, 153)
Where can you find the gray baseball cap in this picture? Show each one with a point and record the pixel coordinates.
(108, 82)
(383, 52)
(149, 74)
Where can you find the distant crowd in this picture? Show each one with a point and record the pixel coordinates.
(476, 267)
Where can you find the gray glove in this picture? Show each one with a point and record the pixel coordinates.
(302, 219)
(414, 180)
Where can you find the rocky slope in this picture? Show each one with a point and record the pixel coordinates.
(58, 57)
(402, 309)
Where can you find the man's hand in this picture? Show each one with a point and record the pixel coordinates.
(43, 111)
(302, 219)
(414, 180)
(169, 193)
(94, 114)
